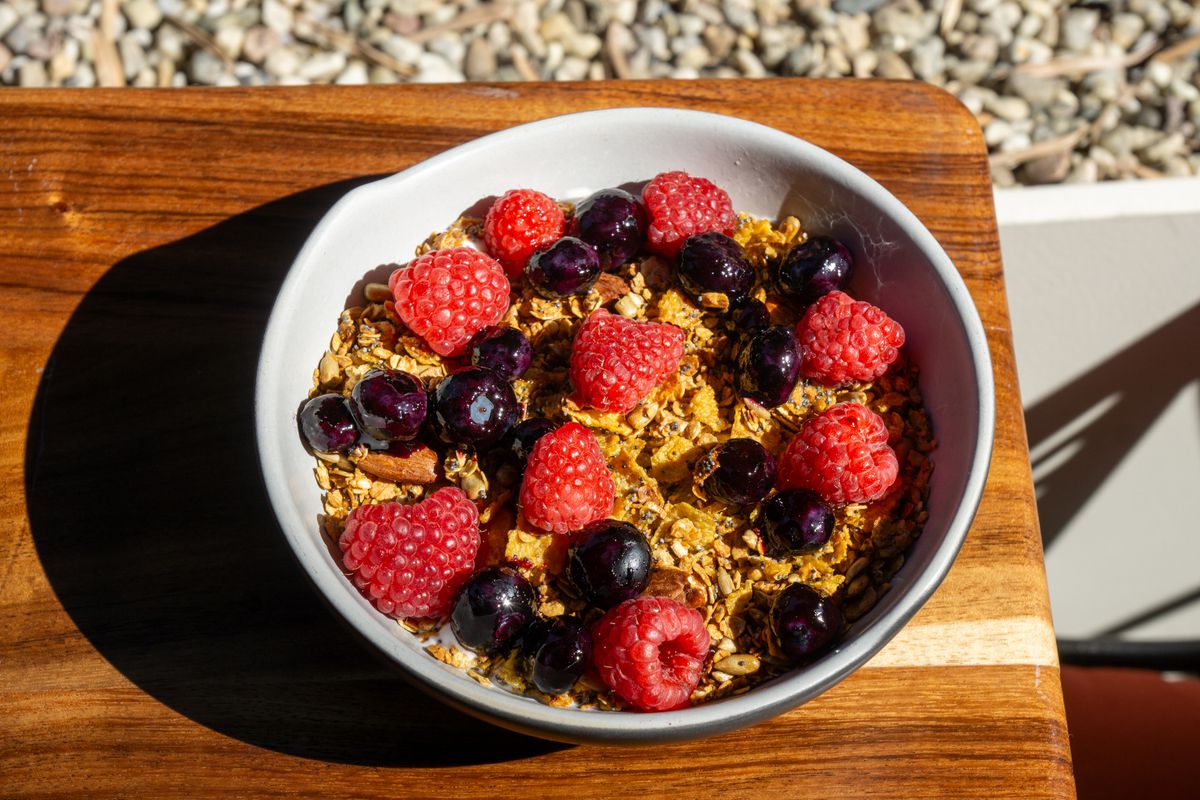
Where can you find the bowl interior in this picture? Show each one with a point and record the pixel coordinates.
(900, 267)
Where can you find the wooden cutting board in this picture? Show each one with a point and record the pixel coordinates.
(156, 638)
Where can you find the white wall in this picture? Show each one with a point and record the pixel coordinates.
(1104, 290)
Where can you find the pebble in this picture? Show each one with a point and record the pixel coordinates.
(1047, 169)
(206, 68)
(481, 60)
(8, 18)
(891, 65)
(1148, 114)
(323, 67)
(143, 14)
(33, 74)
(1009, 108)
(928, 60)
(1078, 28)
(1125, 29)
(1038, 92)
(280, 62)
(432, 68)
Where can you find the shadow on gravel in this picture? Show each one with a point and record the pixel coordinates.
(151, 521)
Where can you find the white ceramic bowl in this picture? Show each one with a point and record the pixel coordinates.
(900, 267)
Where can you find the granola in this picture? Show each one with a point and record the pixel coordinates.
(706, 554)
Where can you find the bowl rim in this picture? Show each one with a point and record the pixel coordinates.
(781, 694)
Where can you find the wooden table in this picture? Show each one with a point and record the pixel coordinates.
(156, 638)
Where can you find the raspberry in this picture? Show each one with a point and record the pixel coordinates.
(519, 223)
(566, 483)
(846, 340)
(447, 296)
(651, 651)
(615, 361)
(680, 206)
(409, 560)
(841, 454)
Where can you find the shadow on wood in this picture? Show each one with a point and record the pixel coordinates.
(150, 518)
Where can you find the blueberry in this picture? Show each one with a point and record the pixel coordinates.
(805, 623)
(740, 472)
(503, 350)
(568, 267)
(794, 522)
(712, 262)
(556, 653)
(526, 434)
(748, 316)
(815, 268)
(327, 424)
(389, 405)
(769, 365)
(614, 222)
(492, 609)
(474, 407)
(609, 562)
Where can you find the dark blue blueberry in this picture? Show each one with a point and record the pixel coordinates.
(526, 435)
(805, 622)
(769, 365)
(501, 349)
(327, 425)
(389, 405)
(794, 522)
(492, 609)
(609, 562)
(614, 222)
(712, 262)
(557, 652)
(815, 268)
(475, 407)
(740, 471)
(568, 267)
(749, 315)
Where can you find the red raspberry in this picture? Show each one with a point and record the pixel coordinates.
(447, 296)
(842, 454)
(409, 560)
(651, 651)
(615, 361)
(566, 483)
(519, 223)
(680, 206)
(846, 340)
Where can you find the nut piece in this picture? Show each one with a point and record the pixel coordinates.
(738, 664)
(329, 372)
(377, 292)
(419, 466)
(610, 287)
(673, 583)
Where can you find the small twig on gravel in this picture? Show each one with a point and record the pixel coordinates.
(522, 66)
(200, 37)
(483, 14)
(1047, 147)
(1142, 171)
(1183, 47)
(109, 70)
(1079, 66)
(616, 56)
(348, 43)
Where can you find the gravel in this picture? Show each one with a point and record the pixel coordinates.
(1064, 91)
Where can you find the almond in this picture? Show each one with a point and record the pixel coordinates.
(419, 466)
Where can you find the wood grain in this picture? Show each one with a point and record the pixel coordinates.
(156, 638)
